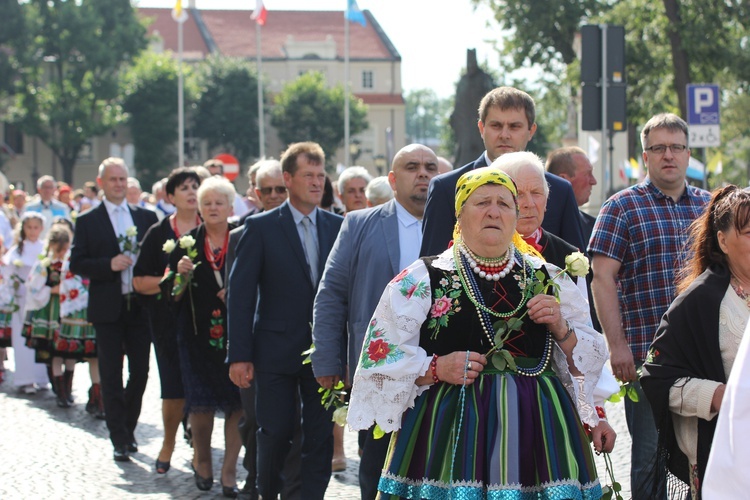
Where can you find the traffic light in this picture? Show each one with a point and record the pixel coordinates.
(592, 58)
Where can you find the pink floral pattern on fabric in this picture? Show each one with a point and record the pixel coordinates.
(445, 304)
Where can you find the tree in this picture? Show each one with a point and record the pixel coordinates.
(150, 98)
(226, 114)
(426, 114)
(306, 110)
(542, 31)
(68, 60)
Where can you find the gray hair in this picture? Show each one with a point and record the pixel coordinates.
(350, 173)
(111, 162)
(133, 182)
(379, 191)
(44, 179)
(513, 163)
(202, 172)
(267, 168)
(253, 169)
(669, 121)
(217, 184)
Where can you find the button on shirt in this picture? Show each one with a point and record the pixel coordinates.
(409, 237)
(120, 222)
(646, 231)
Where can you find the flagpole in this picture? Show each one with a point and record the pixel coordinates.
(347, 151)
(261, 112)
(180, 101)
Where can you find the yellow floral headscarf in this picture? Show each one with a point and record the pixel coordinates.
(470, 181)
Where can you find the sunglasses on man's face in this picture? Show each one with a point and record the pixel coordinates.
(267, 190)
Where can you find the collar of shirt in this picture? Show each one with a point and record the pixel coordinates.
(487, 159)
(404, 217)
(298, 216)
(658, 192)
(111, 206)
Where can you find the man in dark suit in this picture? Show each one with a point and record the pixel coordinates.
(271, 192)
(279, 260)
(507, 124)
(104, 250)
(372, 247)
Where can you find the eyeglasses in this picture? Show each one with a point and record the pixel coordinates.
(660, 149)
(267, 190)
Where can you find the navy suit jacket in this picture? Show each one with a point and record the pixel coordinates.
(94, 245)
(270, 295)
(561, 218)
(364, 258)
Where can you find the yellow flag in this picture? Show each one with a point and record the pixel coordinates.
(178, 14)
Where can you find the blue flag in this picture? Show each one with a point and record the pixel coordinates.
(354, 14)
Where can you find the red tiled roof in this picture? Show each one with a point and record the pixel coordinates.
(233, 32)
(193, 45)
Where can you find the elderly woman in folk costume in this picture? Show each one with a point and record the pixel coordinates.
(484, 361)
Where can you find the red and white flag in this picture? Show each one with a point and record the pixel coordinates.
(260, 13)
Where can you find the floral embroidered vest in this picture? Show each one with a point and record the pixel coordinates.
(453, 323)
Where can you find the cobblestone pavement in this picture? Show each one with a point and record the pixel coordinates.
(54, 453)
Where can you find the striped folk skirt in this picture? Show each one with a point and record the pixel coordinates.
(505, 436)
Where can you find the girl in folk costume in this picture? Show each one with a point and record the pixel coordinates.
(17, 263)
(53, 324)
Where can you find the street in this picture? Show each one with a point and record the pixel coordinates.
(51, 452)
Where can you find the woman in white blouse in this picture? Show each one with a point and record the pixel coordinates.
(685, 373)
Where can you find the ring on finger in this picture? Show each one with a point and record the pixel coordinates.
(468, 366)
(551, 311)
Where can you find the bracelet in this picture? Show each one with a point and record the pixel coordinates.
(601, 413)
(570, 332)
(433, 368)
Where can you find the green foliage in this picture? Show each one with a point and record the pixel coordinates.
(226, 114)
(426, 114)
(68, 58)
(542, 31)
(149, 90)
(306, 110)
(13, 29)
(668, 45)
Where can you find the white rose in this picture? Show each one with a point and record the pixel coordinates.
(577, 264)
(131, 232)
(169, 246)
(187, 242)
(339, 415)
(46, 262)
(18, 263)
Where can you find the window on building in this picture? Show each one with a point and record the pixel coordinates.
(13, 138)
(367, 80)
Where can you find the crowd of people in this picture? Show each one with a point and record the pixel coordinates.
(455, 306)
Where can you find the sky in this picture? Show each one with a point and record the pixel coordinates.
(431, 36)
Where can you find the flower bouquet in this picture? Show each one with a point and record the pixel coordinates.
(181, 283)
(129, 246)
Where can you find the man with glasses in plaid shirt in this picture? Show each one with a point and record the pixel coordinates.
(638, 246)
